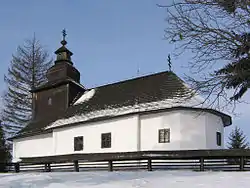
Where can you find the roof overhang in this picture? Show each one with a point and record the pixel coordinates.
(29, 134)
(56, 84)
(226, 119)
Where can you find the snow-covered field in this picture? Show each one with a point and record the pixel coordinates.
(157, 179)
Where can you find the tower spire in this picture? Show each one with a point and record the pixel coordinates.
(63, 54)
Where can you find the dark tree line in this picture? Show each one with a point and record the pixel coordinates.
(4, 151)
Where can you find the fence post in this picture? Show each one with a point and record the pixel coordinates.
(242, 160)
(3, 166)
(110, 166)
(202, 164)
(47, 167)
(149, 165)
(76, 166)
(17, 167)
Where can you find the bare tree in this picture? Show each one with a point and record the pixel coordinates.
(27, 71)
(217, 34)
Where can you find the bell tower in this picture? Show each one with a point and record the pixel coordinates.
(63, 67)
(61, 89)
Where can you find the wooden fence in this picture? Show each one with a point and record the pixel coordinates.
(197, 160)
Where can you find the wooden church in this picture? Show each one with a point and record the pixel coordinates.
(153, 112)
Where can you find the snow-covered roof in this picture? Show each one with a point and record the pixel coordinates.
(148, 93)
(154, 92)
(112, 112)
(85, 97)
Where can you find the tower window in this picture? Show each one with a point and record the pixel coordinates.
(50, 101)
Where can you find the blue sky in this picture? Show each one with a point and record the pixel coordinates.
(110, 39)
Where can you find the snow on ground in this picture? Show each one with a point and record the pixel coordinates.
(139, 179)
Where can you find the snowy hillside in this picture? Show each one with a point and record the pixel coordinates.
(142, 179)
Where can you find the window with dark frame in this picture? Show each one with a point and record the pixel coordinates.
(164, 135)
(106, 140)
(78, 143)
(218, 138)
(49, 101)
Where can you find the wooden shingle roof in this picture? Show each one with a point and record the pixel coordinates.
(151, 88)
(163, 86)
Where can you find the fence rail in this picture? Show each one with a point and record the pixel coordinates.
(215, 160)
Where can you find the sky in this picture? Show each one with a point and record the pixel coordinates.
(111, 40)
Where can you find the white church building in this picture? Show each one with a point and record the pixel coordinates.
(153, 112)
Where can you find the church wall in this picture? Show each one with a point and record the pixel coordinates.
(189, 130)
(123, 136)
(214, 124)
(39, 145)
(150, 125)
(193, 130)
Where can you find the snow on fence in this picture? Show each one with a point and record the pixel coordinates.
(159, 160)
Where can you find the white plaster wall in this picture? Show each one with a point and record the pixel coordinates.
(123, 130)
(150, 125)
(188, 130)
(40, 145)
(192, 130)
(214, 124)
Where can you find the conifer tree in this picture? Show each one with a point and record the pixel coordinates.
(237, 139)
(27, 71)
